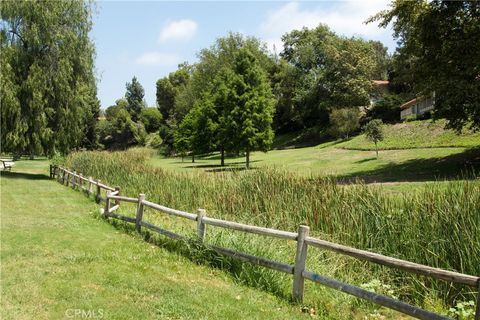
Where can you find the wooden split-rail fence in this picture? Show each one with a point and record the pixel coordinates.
(112, 200)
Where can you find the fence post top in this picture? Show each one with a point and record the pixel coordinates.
(303, 227)
(200, 210)
(141, 196)
(117, 188)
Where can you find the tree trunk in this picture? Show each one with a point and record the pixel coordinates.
(193, 158)
(222, 161)
(376, 149)
(248, 159)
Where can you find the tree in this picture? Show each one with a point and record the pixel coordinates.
(48, 86)
(120, 132)
(344, 121)
(174, 101)
(151, 119)
(439, 46)
(332, 70)
(386, 109)
(134, 97)
(247, 104)
(374, 132)
(198, 130)
(120, 104)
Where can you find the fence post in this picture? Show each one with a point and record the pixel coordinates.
(51, 172)
(67, 180)
(80, 182)
(139, 216)
(117, 188)
(74, 179)
(107, 204)
(63, 175)
(89, 190)
(300, 258)
(98, 195)
(477, 312)
(201, 213)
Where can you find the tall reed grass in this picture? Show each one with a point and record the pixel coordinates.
(438, 226)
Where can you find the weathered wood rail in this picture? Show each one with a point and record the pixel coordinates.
(298, 270)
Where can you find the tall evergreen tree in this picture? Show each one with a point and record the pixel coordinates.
(247, 106)
(48, 86)
(134, 97)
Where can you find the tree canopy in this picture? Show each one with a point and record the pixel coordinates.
(48, 86)
(439, 49)
(134, 96)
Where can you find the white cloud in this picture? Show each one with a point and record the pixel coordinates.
(158, 59)
(345, 18)
(180, 30)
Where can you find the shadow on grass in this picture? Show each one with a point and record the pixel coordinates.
(226, 166)
(464, 165)
(23, 175)
(365, 160)
(204, 254)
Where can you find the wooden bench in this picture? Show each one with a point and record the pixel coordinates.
(7, 164)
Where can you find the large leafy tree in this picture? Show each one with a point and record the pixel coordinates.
(134, 96)
(331, 71)
(174, 100)
(439, 46)
(48, 87)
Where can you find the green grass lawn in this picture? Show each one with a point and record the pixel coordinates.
(412, 152)
(428, 164)
(416, 134)
(57, 258)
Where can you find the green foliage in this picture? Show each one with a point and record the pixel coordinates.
(171, 99)
(198, 130)
(48, 84)
(134, 96)
(331, 71)
(111, 112)
(410, 118)
(374, 132)
(246, 106)
(463, 310)
(151, 119)
(344, 121)
(121, 132)
(386, 109)
(445, 61)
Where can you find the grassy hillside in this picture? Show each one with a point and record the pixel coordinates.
(413, 151)
(56, 258)
(416, 134)
(427, 164)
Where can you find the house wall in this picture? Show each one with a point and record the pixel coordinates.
(418, 108)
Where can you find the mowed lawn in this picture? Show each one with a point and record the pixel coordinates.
(59, 261)
(420, 164)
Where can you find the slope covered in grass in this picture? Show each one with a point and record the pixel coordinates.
(416, 134)
(56, 259)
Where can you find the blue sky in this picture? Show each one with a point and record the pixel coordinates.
(148, 39)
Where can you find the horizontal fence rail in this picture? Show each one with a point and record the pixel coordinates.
(298, 270)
